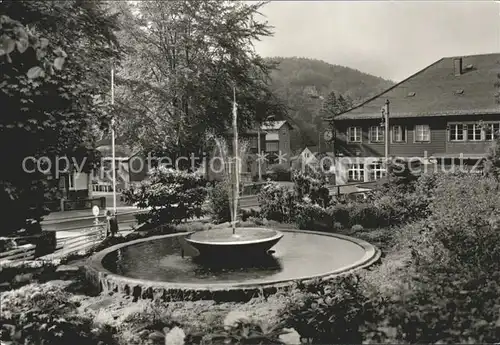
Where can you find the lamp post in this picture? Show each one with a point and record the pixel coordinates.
(258, 150)
(113, 139)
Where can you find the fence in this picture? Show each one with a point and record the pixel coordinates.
(23, 252)
(87, 238)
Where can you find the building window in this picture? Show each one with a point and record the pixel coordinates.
(398, 134)
(491, 131)
(376, 134)
(272, 146)
(473, 132)
(457, 132)
(356, 172)
(376, 171)
(71, 179)
(422, 133)
(354, 134)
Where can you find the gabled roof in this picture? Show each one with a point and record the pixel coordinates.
(437, 91)
(313, 149)
(274, 125)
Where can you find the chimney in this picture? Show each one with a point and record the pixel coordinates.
(457, 63)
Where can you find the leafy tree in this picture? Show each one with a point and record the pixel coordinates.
(52, 97)
(333, 105)
(491, 165)
(185, 58)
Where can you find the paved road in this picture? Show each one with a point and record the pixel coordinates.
(78, 223)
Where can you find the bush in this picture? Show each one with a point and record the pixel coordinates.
(44, 314)
(364, 214)
(277, 203)
(239, 328)
(313, 217)
(172, 195)
(335, 312)
(219, 208)
(311, 186)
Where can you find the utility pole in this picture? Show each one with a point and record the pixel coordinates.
(259, 153)
(113, 163)
(385, 113)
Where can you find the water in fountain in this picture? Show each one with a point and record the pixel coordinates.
(251, 241)
(232, 166)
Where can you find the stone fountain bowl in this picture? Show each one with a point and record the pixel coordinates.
(244, 242)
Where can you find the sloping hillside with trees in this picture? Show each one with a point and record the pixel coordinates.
(304, 85)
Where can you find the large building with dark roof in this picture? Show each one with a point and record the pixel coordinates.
(447, 111)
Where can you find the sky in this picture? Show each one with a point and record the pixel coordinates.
(389, 39)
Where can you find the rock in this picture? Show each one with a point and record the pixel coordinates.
(175, 336)
(23, 278)
(143, 333)
(235, 318)
(290, 338)
(156, 336)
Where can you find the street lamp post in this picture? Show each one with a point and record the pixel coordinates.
(258, 149)
(113, 163)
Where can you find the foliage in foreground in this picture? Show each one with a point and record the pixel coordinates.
(52, 95)
(449, 292)
(44, 314)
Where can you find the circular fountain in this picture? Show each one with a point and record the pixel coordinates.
(168, 268)
(225, 263)
(246, 242)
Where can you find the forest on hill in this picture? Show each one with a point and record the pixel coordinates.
(305, 84)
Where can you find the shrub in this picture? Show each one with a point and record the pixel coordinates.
(447, 307)
(367, 215)
(312, 186)
(335, 312)
(219, 208)
(172, 195)
(239, 328)
(277, 203)
(44, 314)
(313, 217)
(251, 214)
(340, 213)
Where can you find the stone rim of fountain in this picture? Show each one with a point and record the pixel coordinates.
(277, 236)
(96, 272)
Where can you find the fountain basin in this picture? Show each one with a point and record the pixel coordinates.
(153, 268)
(222, 243)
